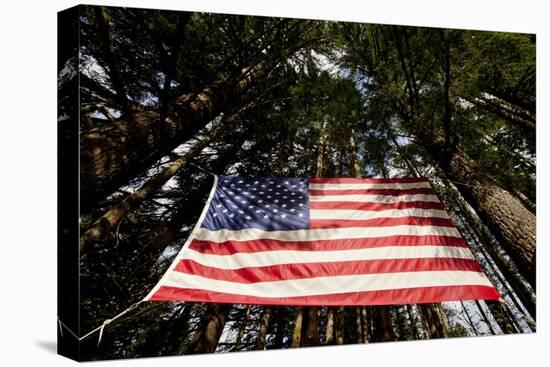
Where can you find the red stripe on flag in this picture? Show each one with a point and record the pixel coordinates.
(375, 206)
(387, 192)
(328, 269)
(367, 180)
(233, 247)
(380, 222)
(383, 297)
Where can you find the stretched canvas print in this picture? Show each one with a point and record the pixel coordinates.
(234, 183)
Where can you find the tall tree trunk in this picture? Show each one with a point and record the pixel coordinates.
(503, 314)
(180, 330)
(485, 318)
(501, 317)
(525, 294)
(436, 320)
(400, 321)
(112, 154)
(446, 89)
(442, 319)
(280, 333)
(433, 327)
(513, 225)
(365, 324)
(384, 328)
(359, 324)
(242, 329)
(338, 162)
(297, 335)
(321, 153)
(339, 327)
(113, 216)
(412, 321)
(207, 336)
(330, 326)
(356, 170)
(311, 327)
(468, 318)
(286, 152)
(261, 342)
(526, 202)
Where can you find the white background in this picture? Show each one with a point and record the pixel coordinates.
(28, 181)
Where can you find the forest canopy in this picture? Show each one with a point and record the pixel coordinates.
(166, 98)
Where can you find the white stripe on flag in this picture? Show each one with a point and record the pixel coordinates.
(223, 235)
(371, 214)
(333, 285)
(369, 186)
(375, 198)
(268, 258)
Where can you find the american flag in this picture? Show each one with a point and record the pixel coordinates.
(324, 241)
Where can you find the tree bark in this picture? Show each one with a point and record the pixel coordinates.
(321, 148)
(469, 319)
(359, 324)
(330, 326)
(513, 224)
(262, 333)
(434, 329)
(501, 317)
(485, 318)
(311, 329)
(365, 324)
(113, 216)
(112, 154)
(354, 162)
(384, 326)
(442, 319)
(339, 327)
(297, 335)
(286, 151)
(280, 333)
(526, 202)
(446, 89)
(400, 321)
(207, 336)
(527, 297)
(238, 342)
(412, 320)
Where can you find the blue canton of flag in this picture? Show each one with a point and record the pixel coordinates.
(266, 203)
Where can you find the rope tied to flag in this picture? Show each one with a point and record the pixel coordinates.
(99, 328)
